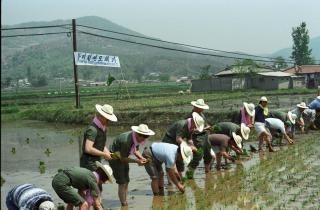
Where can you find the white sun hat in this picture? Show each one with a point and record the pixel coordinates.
(143, 129)
(46, 205)
(302, 105)
(263, 98)
(200, 104)
(186, 153)
(292, 117)
(237, 139)
(245, 131)
(106, 169)
(249, 108)
(318, 97)
(107, 112)
(198, 120)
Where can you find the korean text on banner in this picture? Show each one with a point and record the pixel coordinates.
(82, 58)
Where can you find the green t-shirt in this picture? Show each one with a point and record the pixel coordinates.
(279, 115)
(226, 128)
(83, 179)
(179, 128)
(123, 144)
(99, 137)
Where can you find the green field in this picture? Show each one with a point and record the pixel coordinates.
(133, 103)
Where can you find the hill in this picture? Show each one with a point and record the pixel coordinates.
(314, 44)
(51, 55)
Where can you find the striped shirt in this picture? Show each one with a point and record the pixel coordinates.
(26, 197)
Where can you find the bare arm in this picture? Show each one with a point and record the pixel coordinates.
(89, 149)
(97, 203)
(227, 156)
(174, 176)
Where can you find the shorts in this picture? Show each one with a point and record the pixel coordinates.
(154, 167)
(260, 128)
(120, 171)
(61, 184)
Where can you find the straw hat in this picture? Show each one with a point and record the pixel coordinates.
(245, 131)
(107, 112)
(106, 169)
(200, 104)
(186, 153)
(292, 117)
(143, 129)
(263, 98)
(237, 139)
(198, 120)
(249, 108)
(302, 105)
(46, 205)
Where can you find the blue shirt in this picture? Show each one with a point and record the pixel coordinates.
(165, 153)
(259, 116)
(315, 104)
(26, 196)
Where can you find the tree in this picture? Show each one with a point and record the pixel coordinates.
(301, 53)
(40, 81)
(29, 73)
(164, 77)
(245, 67)
(280, 63)
(205, 72)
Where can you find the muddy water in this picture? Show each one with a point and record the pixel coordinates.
(261, 180)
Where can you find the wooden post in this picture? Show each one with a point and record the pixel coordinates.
(75, 70)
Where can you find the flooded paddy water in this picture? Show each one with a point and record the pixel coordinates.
(286, 179)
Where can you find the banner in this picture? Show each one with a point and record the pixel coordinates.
(91, 59)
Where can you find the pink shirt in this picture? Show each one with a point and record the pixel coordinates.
(245, 118)
(87, 195)
(135, 143)
(189, 123)
(99, 124)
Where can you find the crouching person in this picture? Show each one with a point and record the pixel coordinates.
(219, 144)
(27, 196)
(68, 182)
(275, 125)
(168, 154)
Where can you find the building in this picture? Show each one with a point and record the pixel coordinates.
(260, 78)
(311, 73)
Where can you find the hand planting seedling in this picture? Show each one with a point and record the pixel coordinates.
(115, 155)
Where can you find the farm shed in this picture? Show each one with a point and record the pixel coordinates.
(311, 73)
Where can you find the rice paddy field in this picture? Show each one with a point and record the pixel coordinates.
(41, 133)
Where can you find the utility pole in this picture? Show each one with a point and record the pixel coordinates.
(75, 69)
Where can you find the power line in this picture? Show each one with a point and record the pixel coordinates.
(41, 34)
(176, 43)
(172, 49)
(34, 27)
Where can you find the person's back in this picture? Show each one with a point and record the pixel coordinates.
(27, 196)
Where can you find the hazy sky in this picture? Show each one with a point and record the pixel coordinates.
(252, 26)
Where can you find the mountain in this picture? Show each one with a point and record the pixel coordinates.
(51, 55)
(314, 44)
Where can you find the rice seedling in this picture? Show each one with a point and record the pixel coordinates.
(27, 140)
(13, 150)
(71, 141)
(42, 167)
(61, 206)
(47, 152)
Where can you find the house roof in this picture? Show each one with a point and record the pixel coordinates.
(276, 74)
(233, 71)
(304, 69)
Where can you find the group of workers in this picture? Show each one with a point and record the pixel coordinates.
(184, 143)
